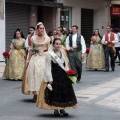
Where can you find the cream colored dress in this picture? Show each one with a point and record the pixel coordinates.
(15, 66)
(96, 58)
(36, 68)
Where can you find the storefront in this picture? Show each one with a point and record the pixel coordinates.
(115, 13)
(87, 14)
(25, 13)
(115, 16)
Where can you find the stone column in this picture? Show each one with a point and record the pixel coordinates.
(33, 16)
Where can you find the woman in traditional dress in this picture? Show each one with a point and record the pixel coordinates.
(61, 35)
(95, 58)
(16, 63)
(34, 73)
(56, 93)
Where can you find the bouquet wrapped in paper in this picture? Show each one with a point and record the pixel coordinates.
(72, 75)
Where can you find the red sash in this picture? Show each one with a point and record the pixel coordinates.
(19, 51)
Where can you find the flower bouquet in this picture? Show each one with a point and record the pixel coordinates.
(72, 75)
(6, 56)
(87, 50)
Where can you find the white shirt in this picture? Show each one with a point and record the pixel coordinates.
(26, 43)
(74, 41)
(118, 44)
(114, 41)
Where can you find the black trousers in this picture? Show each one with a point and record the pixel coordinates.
(75, 62)
(117, 53)
(109, 53)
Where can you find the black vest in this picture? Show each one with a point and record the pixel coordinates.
(78, 42)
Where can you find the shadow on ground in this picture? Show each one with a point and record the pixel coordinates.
(52, 116)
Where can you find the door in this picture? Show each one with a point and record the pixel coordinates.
(87, 23)
(17, 16)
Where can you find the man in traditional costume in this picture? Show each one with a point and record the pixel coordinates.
(28, 40)
(76, 47)
(109, 39)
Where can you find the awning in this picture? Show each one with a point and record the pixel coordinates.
(37, 3)
(115, 2)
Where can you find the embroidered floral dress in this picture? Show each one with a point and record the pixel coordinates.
(35, 72)
(15, 66)
(95, 58)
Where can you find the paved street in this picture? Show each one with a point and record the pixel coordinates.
(98, 95)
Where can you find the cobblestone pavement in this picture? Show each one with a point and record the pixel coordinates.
(98, 95)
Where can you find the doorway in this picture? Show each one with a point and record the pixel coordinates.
(87, 23)
(115, 21)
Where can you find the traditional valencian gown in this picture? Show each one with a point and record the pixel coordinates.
(15, 66)
(95, 58)
(34, 74)
(62, 96)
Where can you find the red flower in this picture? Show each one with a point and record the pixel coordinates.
(5, 54)
(71, 72)
(87, 50)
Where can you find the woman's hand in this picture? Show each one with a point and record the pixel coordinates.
(10, 51)
(71, 49)
(83, 55)
(50, 82)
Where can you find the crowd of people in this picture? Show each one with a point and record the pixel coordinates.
(42, 61)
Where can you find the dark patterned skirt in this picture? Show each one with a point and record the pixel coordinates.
(62, 96)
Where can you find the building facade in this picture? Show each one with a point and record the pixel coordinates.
(115, 13)
(2, 29)
(87, 14)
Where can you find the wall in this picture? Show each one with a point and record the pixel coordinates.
(101, 12)
(49, 14)
(101, 20)
(49, 19)
(33, 15)
(2, 29)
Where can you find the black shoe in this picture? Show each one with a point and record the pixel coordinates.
(35, 98)
(106, 71)
(95, 69)
(119, 64)
(56, 113)
(63, 113)
(113, 69)
(78, 79)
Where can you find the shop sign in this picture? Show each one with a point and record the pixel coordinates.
(115, 10)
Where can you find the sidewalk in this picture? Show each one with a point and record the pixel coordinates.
(2, 66)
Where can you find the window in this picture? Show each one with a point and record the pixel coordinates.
(66, 17)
